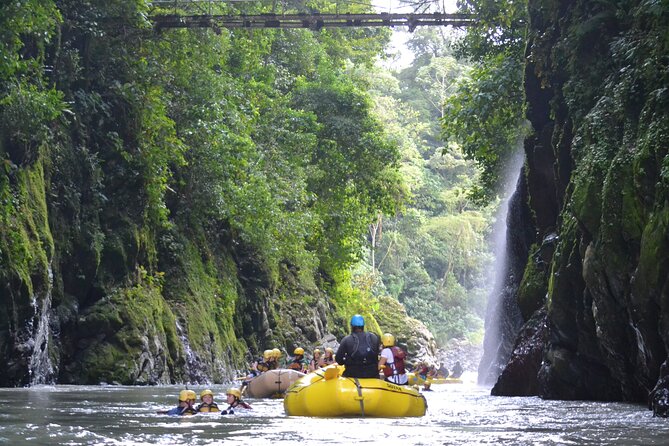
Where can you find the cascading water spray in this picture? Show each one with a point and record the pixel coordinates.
(511, 242)
(40, 367)
(194, 369)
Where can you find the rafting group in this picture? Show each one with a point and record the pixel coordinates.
(186, 404)
(367, 376)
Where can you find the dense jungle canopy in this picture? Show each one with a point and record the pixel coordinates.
(173, 202)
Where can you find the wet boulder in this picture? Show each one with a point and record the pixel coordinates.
(659, 396)
(519, 378)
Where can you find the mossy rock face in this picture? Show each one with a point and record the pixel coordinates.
(533, 286)
(130, 345)
(392, 317)
(202, 292)
(607, 298)
(299, 312)
(26, 278)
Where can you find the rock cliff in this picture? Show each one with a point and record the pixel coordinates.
(597, 177)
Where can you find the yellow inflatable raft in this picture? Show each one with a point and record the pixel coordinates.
(325, 393)
(272, 383)
(416, 380)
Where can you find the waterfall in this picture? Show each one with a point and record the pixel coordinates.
(40, 369)
(195, 371)
(503, 318)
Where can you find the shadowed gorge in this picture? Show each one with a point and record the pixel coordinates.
(595, 86)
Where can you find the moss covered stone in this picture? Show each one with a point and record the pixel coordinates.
(533, 286)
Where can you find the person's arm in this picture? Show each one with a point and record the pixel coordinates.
(173, 411)
(379, 345)
(386, 354)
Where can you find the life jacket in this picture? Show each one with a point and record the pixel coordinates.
(328, 361)
(213, 407)
(237, 404)
(397, 366)
(297, 364)
(263, 366)
(190, 410)
(363, 352)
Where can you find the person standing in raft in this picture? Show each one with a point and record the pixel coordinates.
(207, 404)
(185, 407)
(359, 351)
(392, 361)
(234, 402)
(298, 363)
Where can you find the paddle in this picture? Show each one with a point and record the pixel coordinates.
(331, 372)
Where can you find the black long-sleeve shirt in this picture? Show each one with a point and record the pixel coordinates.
(359, 352)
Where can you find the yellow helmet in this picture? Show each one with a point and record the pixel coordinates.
(388, 340)
(267, 354)
(329, 350)
(183, 395)
(276, 353)
(298, 351)
(234, 392)
(191, 395)
(316, 350)
(206, 392)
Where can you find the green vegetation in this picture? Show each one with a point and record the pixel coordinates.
(485, 114)
(431, 257)
(182, 197)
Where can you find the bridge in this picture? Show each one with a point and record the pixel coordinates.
(203, 14)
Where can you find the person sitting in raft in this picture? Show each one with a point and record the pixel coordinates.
(276, 355)
(317, 360)
(328, 357)
(298, 363)
(392, 361)
(207, 404)
(266, 363)
(259, 366)
(443, 371)
(422, 369)
(185, 407)
(359, 351)
(457, 370)
(431, 373)
(234, 398)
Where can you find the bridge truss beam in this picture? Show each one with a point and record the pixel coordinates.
(314, 21)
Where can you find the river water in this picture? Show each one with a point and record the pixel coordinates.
(458, 414)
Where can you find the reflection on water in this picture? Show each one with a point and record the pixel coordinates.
(457, 414)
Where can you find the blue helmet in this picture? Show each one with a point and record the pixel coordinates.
(357, 321)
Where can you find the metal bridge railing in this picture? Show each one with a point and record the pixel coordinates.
(208, 14)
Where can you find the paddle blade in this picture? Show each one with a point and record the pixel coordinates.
(331, 373)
